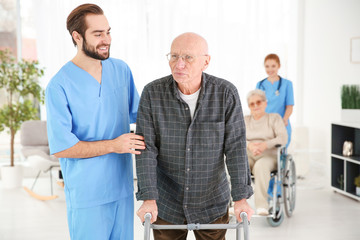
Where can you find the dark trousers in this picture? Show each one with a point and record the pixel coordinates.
(216, 234)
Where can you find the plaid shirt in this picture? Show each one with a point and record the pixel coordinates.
(183, 166)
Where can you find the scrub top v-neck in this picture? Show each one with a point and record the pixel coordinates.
(277, 102)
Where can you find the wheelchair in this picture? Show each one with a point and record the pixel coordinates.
(282, 188)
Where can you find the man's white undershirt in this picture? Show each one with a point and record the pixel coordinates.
(191, 100)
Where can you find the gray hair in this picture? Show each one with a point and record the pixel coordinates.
(256, 92)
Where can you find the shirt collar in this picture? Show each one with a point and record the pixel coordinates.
(174, 87)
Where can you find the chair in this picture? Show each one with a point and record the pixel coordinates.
(35, 149)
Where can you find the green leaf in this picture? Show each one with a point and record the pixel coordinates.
(20, 80)
(350, 97)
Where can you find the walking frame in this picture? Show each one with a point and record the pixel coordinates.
(244, 224)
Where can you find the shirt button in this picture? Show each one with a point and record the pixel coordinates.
(186, 109)
(185, 206)
(187, 188)
(188, 169)
(188, 149)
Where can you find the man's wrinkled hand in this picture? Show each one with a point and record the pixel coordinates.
(148, 206)
(242, 206)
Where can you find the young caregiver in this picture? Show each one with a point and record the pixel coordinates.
(90, 104)
(278, 90)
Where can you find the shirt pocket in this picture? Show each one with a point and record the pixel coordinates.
(117, 99)
(209, 135)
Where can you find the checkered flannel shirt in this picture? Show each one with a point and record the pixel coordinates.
(183, 166)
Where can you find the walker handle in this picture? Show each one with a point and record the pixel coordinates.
(147, 226)
(245, 221)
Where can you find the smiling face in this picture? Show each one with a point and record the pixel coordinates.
(272, 67)
(195, 47)
(97, 39)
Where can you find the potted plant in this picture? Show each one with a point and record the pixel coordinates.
(19, 79)
(350, 103)
(357, 184)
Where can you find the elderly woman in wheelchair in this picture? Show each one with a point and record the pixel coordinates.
(264, 132)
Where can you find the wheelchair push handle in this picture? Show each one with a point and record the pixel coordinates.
(190, 227)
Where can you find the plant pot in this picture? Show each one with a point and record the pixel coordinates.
(350, 115)
(358, 191)
(11, 176)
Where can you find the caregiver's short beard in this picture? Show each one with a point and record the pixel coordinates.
(92, 52)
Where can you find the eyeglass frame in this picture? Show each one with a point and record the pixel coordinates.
(183, 57)
(257, 103)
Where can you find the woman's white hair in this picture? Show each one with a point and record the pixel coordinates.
(256, 92)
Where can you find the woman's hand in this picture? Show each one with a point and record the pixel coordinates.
(252, 148)
(257, 148)
(262, 147)
(286, 121)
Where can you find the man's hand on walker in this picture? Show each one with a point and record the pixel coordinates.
(148, 206)
(242, 206)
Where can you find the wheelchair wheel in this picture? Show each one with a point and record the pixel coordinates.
(276, 220)
(289, 186)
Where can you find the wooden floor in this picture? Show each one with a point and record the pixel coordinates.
(320, 214)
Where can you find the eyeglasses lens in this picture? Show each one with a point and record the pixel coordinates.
(257, 103)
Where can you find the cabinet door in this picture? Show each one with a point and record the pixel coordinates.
(352, 171)
(337, 173)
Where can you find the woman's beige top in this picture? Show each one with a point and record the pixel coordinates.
(269, 128)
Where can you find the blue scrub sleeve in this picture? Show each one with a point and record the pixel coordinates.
(289, 94)
(59, 121)
(133, 99)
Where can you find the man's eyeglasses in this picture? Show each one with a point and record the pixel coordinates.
(173, 57)
(257, 103)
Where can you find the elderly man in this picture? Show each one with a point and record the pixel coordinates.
(190, 120)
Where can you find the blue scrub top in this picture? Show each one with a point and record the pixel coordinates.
(81, 109)
(278, 103)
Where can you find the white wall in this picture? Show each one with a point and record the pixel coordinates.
(328, 27)
(240, 34)
(323, 48)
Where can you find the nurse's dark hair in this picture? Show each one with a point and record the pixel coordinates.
(76, 19)
(272, 56)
